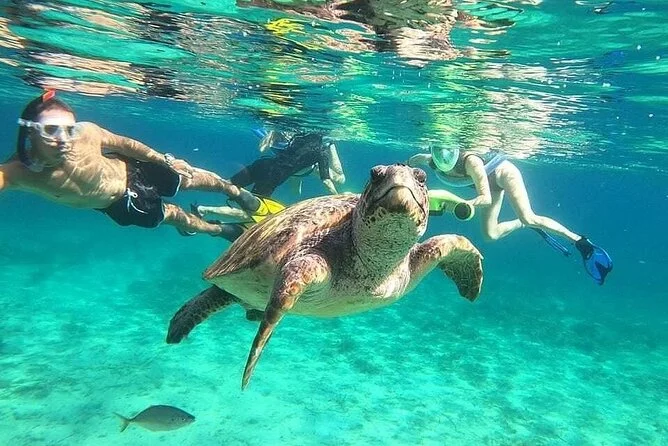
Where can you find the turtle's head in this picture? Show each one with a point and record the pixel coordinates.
(393, 209)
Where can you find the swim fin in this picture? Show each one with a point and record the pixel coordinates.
(268, 206)
(597, 262)
(553, 242)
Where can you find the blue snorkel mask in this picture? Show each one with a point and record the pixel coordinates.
(444, 159)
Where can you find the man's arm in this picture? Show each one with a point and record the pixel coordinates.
(4, 180)
(131, 148)
(9, 173)
(324, 173)
(475, 168)
(335, 167)
(141, 152)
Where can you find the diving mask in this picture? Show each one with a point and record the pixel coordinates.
(53, 130)
(444, 159)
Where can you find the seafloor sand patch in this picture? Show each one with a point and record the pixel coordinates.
(83, 337)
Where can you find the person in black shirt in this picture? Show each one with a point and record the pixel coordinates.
(294, 157)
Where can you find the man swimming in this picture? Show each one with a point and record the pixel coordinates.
(82, 165)
(493, 175)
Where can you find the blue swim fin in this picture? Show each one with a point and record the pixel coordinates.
(260, 133)
(597, 262)
(553, 242)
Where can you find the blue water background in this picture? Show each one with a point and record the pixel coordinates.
(529, 291)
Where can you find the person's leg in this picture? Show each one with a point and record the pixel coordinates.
(209, 181)
(186, 222)
(222, 212)
(510, 179)
(189, 224)
(489, 219)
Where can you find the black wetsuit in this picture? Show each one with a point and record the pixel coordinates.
(141, 204)
(266, 174)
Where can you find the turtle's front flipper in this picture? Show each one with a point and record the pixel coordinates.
(456, 256)
(196, 310)
(297, 276)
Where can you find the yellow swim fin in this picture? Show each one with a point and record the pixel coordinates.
(268, 206)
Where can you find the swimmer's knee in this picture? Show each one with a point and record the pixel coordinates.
(490, 235)
(529, 220)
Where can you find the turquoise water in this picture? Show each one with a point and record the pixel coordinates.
(543, 357)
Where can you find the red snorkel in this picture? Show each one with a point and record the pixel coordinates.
(48, 94)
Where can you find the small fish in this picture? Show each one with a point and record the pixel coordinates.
(158, 418)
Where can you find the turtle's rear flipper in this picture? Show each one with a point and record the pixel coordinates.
(254, 315)
(197, 310)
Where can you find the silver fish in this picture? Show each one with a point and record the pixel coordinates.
(158, 418)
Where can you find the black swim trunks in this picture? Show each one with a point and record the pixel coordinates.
(141, 204)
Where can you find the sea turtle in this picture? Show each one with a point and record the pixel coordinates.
(332, 256)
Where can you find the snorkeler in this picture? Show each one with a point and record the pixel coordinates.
(82, 165)
(492, 175)
(295, 157)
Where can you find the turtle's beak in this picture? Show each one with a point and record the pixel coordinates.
(402, 200)
(399, 190)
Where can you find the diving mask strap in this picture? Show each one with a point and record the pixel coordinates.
(26, 159)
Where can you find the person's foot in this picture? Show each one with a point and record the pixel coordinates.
(230, 231)
(585, 247)
(194, 208)
(247, 201)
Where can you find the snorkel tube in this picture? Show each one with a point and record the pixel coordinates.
(270, 139)
(260, 133)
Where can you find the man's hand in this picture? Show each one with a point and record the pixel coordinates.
(179, 166)
(329, 184)
(9, 173)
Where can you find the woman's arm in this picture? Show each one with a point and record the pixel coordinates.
(475, 168)
(420, 159)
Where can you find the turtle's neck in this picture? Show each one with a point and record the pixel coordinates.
(380, 247)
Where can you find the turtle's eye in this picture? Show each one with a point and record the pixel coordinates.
(377, 173)
(420, 176)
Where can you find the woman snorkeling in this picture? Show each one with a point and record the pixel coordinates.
(493, 175)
